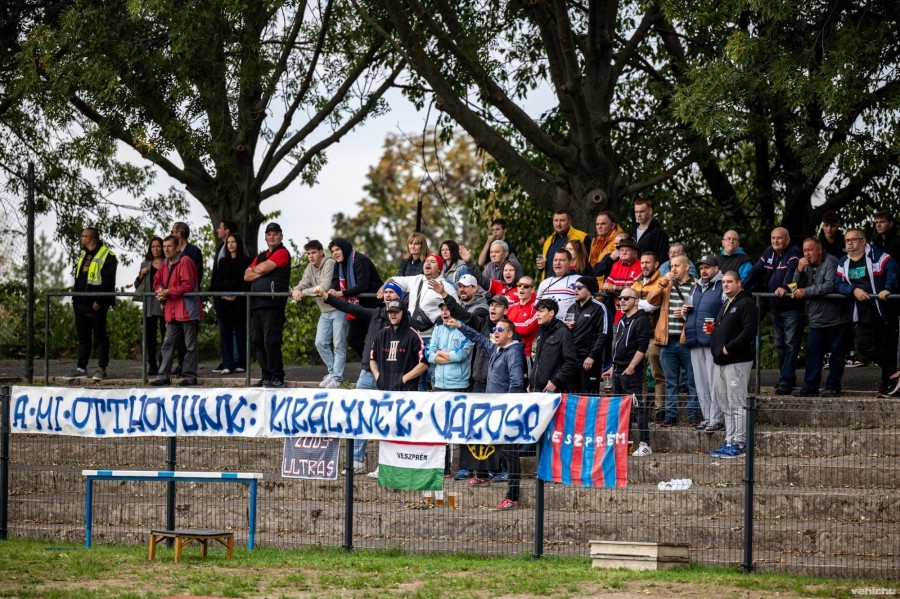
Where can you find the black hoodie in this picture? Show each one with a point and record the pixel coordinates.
(396, 351)
(366, 277)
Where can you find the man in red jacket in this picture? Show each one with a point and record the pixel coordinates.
(176, 276)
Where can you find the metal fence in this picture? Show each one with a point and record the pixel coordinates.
(817, 494)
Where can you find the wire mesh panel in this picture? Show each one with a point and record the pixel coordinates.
(828, 486)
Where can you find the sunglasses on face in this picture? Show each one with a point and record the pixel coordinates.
(498, 329)
(579, 287)
(524, 285)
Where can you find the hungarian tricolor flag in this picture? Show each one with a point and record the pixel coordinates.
(587, 443)
(411, 466)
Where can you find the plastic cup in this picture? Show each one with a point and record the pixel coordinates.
(428, 497)
(607, 383)
(451, 500)
(709, 325)
(439, 498)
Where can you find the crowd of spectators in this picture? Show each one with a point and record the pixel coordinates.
(626, 312)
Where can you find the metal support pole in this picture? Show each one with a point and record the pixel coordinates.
(4, 461)
(538, 513)
(750, 417)
(247, 342)
(170, 486)
(46, 338)
(144, 305)
(348, 495)
(29, 309)
(758, 365)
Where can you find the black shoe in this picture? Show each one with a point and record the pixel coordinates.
(177, 371)
(805, 393)
(276, 383)
(160, 383)
(831, 393)
(261, 383)
(782, 390)
(188, 383)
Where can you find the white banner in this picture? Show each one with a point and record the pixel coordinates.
(240, 412)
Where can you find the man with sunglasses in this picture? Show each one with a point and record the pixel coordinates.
(588, 322)
(506, 374)
(523, 314)
(633, 334)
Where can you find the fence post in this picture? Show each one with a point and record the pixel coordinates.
(750, 416)
(29, 310)
(538, 512)
(170, 486)
(46, 338)
(757, 376)
(4, 461)
(348, 495)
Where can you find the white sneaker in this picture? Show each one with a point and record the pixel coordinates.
(332, 383)
(642, 450)
(224, 371)
(324, 382)
(373, 473)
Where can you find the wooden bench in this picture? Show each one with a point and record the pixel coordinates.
(185, 537)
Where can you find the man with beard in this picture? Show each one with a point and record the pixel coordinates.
(561, 286)
(650, 298)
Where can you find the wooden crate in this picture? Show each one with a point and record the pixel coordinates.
(639, 556)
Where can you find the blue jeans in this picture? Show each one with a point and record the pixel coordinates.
(675, 357)
(332, 329)
(820, 342)
(365, 381)
(788, 326)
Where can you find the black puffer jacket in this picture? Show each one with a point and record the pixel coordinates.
(365, 275)
(554, 358)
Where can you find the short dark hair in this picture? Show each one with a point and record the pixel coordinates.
(314, 244)
(831, 218)
(499, 221)
(652, 254)
(230, 225)
(564, 211)
(171, 238)
(94, 233)
(885, 215)
(183, 229)
(563, 251)
(609, 215)
(547, 303)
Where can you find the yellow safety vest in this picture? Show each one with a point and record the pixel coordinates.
(94, 276)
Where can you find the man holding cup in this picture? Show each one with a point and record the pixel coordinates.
(706, 299)
(733, 337)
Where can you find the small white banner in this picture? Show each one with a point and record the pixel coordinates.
(438, 417)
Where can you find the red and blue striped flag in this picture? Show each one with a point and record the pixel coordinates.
(587, 444)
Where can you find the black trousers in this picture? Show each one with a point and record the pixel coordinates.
(90, 327)
(268, 335)
(878, 342)
(624, 384)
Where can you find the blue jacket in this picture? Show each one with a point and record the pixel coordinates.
(454, 375)
(506, 369)
(707, 302)
(778, 271)
(883, 275)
